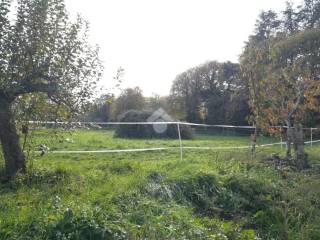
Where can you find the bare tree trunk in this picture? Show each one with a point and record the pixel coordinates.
(301, 160)
(13, 155)
(254, 143)
(289, 140)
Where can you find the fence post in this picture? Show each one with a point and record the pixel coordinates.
(180, 141)
(281, 137)
(311, 136)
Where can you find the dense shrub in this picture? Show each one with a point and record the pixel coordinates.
(147, 131)
(201, 191)
(246, 196)
(42, 178)
(84, 227)
(94, 225)
(233, 198)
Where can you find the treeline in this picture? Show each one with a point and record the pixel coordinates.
(211, 93)
(110, 108)
(275, 82)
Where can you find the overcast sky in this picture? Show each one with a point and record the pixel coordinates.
(154, 40)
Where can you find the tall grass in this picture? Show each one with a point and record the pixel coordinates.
(153, 195)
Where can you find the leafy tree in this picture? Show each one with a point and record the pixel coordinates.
(253, 64)
(41, 51)
(290, 19)
(282, 73)
(267, 25)
(100, 109)
(229, 99)
(181, 95)
(156, 101)
(295, 72)
(129, 99)
(212, 92)
(309, 14)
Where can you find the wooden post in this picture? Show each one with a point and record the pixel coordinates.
(180, 141)
(281, 138)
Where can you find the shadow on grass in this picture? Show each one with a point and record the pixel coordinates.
(3, 176)
(40, 178)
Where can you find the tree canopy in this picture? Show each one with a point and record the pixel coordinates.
(129, 99)
(212, 92)
(42, 51)
(280, 64)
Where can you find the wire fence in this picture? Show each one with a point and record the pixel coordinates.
(205, 137)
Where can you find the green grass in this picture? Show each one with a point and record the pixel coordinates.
(211, 194)
(103, 139)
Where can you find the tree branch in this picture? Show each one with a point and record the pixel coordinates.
(296, 105)
(47, 86)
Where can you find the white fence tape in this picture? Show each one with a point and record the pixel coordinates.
(162, 148)
(110, 150)
(153, 123)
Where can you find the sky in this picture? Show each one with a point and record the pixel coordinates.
(155, 40)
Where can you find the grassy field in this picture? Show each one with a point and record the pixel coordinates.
(211, 194)
(103, 139)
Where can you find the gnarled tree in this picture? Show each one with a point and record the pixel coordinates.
(41, 52)
(282, 72)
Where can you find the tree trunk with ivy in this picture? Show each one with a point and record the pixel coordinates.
(301, 161)
(289, 140)
(13, 155)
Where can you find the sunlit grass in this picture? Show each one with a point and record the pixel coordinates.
(115, 190)
(103, 139)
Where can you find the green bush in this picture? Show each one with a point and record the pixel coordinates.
(82, 227)
(201, 191)
(249, 201)
(37, 178)
(147, 130)
(94, 225)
